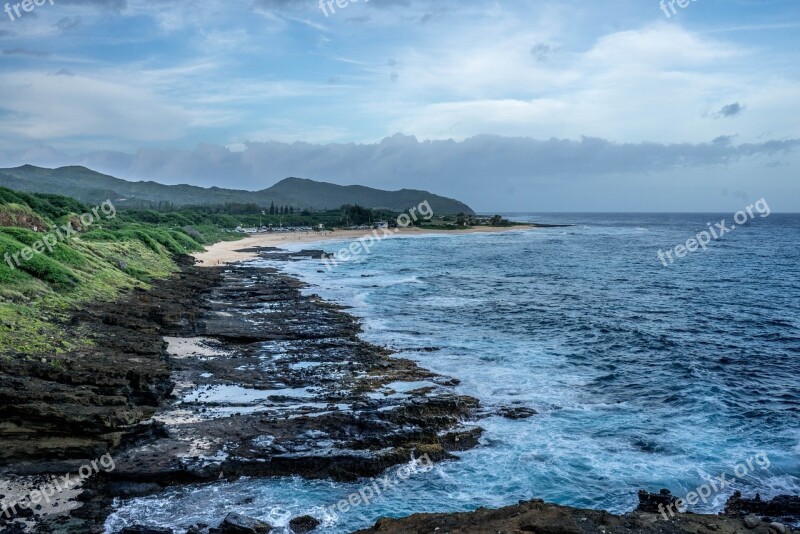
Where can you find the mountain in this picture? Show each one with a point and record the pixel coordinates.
(93, 187)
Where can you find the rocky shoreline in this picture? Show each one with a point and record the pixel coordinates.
(225, 372)
(221, 373)
(543, 518)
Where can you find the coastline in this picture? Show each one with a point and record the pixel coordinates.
(215, 346)
(215, 377)
(228, 252)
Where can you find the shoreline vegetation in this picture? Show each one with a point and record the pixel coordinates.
(121, 342)
(42, 278)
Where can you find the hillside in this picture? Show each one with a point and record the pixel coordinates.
(93, 187)
(43, 272)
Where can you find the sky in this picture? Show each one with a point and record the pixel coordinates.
(512, 105)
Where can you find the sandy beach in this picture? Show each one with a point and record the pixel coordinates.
(226, 252)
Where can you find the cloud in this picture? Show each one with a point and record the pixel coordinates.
(24, 52)
(479, 170)
(115, 6)
(731, 110)
(561, 96)
(68, 23)
(541, 51)
(109, 108)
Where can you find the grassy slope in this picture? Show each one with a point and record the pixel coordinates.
(114, 255)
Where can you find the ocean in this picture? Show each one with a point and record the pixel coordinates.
(643, 376)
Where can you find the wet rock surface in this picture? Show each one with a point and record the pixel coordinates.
(539, 517)
(239, 524)
(222, 372)
(782, 508)
(303, 524)
(56, 413)
(270, 382)
(656, 502)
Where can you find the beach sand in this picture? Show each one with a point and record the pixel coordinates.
(226, 252)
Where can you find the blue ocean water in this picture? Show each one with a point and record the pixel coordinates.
(644, 376)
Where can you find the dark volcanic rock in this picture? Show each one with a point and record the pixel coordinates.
(137, 529)
(74, 407)
(239, 524)
(218, 373)
(126, 490)
(783, 507)
(517, 412)
(650, 502)
(303, 524)
(542, 518)
(272, 382)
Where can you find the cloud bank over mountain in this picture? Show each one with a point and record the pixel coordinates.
(486, 171)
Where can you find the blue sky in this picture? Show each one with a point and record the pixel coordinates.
(509, 105)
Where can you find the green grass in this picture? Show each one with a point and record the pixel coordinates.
(38, 295)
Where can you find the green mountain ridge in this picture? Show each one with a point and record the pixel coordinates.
(93, 187)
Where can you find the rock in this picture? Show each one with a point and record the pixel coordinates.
(303, 524)
(655, 503)
(122, 266)
(519, 412)
(140, 529)
(556, 525)
(240, 524)
(25, 513)
(783, 507)
(86, 495)
(752, 521)
(780, 528)
(126, 490)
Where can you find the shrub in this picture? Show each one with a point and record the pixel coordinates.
(99, 235)
(23, 235)
(50, 271)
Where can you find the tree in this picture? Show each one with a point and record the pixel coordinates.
(272, 208)
(356, 215)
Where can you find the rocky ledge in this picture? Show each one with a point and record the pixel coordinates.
(270, 383)
(536, 516)
(220, 372)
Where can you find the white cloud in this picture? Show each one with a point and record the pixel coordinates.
(44, 107)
